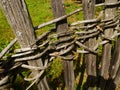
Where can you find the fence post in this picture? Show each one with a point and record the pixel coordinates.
(18, 17)
(115, 63)
(110, 11)
(115, 67)
(89, 11)
(62, 26)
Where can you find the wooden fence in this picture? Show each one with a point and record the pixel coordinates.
(83, 37)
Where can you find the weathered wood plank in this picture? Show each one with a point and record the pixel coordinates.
(115, 62)
(106, 56)
(116, 80)
(115, 67)
(20, 21)
(62, 26)
(89, 11)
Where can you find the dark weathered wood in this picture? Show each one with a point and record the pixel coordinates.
(115, 67)
(89, 11)
(106, 56)
(19, 19)
(116, 80)
(62, 26)
(4, 83)
(86, 48)
(115, 62)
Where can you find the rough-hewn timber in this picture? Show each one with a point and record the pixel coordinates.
(62, 26)
(106, 56)
(19, 19)
(89, 11)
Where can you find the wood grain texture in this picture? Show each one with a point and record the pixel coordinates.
(62, 26)
(115, 65)
(106, 56)
(89, 11)
(20, 21)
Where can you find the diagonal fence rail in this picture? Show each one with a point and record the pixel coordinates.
(61, 42)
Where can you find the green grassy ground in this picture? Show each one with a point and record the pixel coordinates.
(5, 32)
(40, 12)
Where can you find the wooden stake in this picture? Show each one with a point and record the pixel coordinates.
(89, 11)
(106, 56)
(18, 17)
(62, 26)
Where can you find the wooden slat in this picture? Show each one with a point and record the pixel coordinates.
(62, 26)
(115, 62)
(20, 21)
(115, 67)
(106, 56)
(89, 11)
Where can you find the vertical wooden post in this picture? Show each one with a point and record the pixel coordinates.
(62, 26)
(19, 19)
(89, 11)
(115, 62)
(106, 56)
(115, 68)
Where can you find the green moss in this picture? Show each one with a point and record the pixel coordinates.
(55, 69)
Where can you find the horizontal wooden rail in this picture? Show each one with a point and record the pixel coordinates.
(53, 44)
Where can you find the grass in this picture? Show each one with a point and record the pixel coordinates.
(6, 34)
(40, 12)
